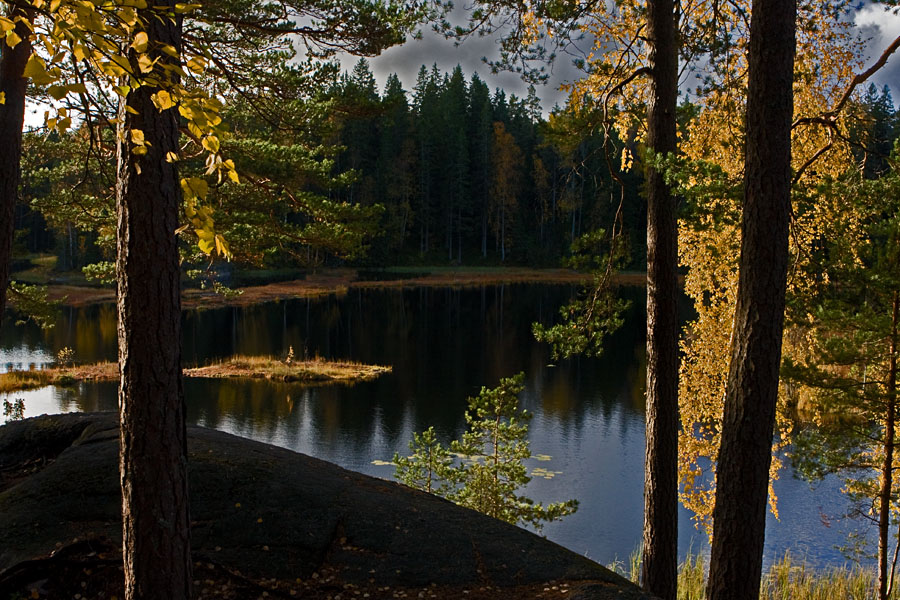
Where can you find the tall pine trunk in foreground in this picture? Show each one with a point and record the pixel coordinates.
(153, 452)
(12, 117)
(886, 575)
(660, 538)
(742, 481)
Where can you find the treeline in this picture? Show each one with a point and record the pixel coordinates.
(447, 173)
(468, 176)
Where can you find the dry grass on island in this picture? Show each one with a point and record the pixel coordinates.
(316, 371)
(17, 381)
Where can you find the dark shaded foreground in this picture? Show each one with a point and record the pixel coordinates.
(265, 520)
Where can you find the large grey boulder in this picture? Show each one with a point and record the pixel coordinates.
(271, 513)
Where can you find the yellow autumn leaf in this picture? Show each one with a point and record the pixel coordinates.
(222, 246)
(127, 15)
(206, 246)
(2, 97)
(211, 143)
(12, 39)
(197, 64)
(194, 130)
(37, 71)
(112, 69)
(141, 41)
(6, 24)
(163, 100)
(195, 187)
(145, 63)
(171, 157)
(137, 137)
(58, 92)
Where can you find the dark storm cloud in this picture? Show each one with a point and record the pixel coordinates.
(875, 24)
(879, 27)
(406, 60)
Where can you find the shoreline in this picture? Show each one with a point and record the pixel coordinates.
(340, 281)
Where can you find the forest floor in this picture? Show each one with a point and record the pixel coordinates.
(313, 371)
(340, 281)
(98, 575)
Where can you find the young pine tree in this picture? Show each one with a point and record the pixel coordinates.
(492, 469)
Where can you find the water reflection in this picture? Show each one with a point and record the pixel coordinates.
(443, 344)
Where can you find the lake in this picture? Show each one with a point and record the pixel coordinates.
(443, 344)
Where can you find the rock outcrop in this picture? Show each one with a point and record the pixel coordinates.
(271, 513)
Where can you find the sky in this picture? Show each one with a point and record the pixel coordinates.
(874, 23)
(881, 27)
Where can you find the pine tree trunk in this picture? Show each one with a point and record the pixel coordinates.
(742, 482)
(660, 539)
(503, 234)
(887, 467)
(12, 118)
(153, 449)
(459, 229)
(484, 230)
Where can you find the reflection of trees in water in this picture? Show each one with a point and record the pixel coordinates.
(87, 397)
(443, 343)
(90, 331)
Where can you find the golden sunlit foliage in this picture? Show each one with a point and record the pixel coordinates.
(827, 57)
(87, 53)
(708, 175)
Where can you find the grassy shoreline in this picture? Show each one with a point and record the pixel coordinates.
(316, 371)
(338, 281)
(786, 578)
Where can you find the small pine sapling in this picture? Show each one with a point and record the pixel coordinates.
(491, 469)
(429, 467)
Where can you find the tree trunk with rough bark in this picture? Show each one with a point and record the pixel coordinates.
(742, 481)
(660, 539)
(153, 444)
(12, 117)
(887, 467)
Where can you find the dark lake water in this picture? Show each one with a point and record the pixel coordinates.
(443, 344)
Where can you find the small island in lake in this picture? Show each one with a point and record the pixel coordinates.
(317, 370)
